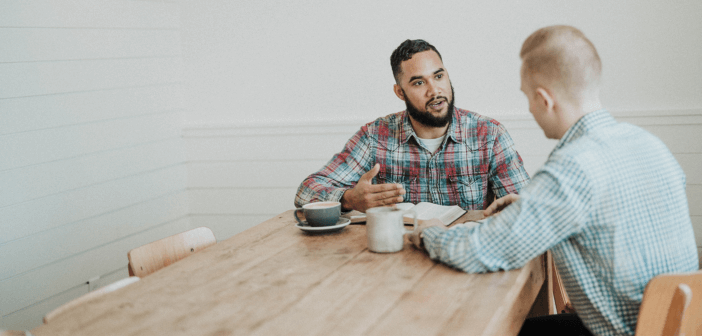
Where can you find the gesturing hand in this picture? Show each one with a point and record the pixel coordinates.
(500, 204)
(366, 195)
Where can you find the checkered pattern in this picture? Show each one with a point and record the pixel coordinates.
(476, 161)
(610, 203)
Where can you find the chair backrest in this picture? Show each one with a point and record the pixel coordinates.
(12, 333)
(88, 297)
(558, 298)
(672, 305)
(151, 257)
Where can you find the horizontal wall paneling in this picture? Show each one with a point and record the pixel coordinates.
(70, 207)
(39, 284)
(49, 44)
(227, 225)
(90, 14)
(70, 109)
(251, 148)
(29, 148)
(20, 79)
(49, 246)
(242, 201)
(31, 316)
(251, 174)
(40, 180)
(92, 162)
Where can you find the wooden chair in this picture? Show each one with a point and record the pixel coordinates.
(668, 295)
(558, 298)
(672, 305)
(13, 333)
(151, 257)
(88, 297)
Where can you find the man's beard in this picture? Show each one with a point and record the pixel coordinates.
(427, 119)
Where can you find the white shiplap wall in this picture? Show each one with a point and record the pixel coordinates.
(241, 174)
(92, 161)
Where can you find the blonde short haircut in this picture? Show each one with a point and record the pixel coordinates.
(561, 58)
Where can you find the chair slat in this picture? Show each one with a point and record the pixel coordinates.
(89, 297)
(154, 256)
(671, 309)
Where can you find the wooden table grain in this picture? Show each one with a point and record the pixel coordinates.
(275, 279)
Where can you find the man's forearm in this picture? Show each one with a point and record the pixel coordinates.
(311, 190)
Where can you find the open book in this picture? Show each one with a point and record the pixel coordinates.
(425, 211)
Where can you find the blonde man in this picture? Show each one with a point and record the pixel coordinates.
(609, 202)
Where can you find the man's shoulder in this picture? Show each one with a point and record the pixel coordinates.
(601, 146)
(470, 118)
(389, 123)
(601, 138)
(476, 129)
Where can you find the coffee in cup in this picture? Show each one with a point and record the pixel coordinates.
(320, 213)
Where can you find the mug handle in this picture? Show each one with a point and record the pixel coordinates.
(298, 218)
(414, 225)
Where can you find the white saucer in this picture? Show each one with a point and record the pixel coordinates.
(339, 225)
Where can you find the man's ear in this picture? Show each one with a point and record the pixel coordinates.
(398, 91)
(546, 98)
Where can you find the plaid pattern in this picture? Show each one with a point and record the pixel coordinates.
(609, 203)
(476, 161)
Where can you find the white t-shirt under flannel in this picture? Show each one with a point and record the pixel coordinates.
(609, 202)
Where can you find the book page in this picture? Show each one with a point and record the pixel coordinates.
(425, 211)
(360, 217)
(428, 210)
(355, 216)
(446, 213)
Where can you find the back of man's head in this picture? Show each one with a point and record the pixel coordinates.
(405, 51)
(561, 58)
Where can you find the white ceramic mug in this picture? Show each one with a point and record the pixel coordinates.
(386, 230)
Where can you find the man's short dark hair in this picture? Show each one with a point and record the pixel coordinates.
(405, 51)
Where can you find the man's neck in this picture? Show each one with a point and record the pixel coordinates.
(427, 132)
(570, 114)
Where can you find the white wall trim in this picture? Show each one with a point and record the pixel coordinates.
(351, 125)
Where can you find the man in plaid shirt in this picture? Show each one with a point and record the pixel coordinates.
(431, 152)
(609, 202)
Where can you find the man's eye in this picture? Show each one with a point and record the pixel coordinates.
(439, 76)
(418, 83)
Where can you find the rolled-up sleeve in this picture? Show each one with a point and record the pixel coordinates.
(341, 173)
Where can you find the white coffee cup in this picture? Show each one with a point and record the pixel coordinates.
(386, 230)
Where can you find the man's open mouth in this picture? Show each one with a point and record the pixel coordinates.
(437, 105)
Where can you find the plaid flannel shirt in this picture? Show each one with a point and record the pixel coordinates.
(609, 203)
(476, 161)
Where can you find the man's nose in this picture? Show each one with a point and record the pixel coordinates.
(433, 89)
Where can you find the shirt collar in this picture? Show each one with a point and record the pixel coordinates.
(454, 131)
(586, 123)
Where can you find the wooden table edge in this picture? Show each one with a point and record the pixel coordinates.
(528, 289)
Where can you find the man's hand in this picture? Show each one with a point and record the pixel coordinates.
(416, 236)
(366, 195)
(500, 204)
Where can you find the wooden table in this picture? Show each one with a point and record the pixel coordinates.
(275, 279)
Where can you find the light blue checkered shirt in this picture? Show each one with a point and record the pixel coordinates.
(609, 203)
